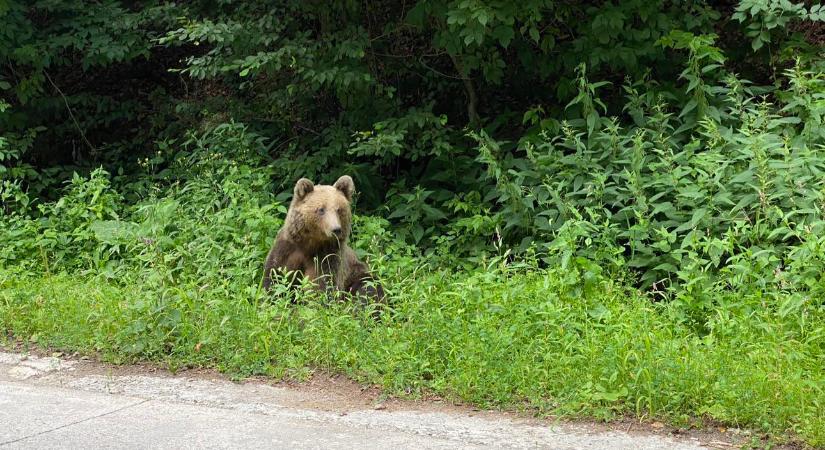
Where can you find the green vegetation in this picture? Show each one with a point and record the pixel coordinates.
(582, 208)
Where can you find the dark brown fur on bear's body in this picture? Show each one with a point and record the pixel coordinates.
(313, 241)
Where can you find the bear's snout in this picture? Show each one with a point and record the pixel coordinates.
(332, 226)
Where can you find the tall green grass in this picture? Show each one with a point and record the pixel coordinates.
(557, 342)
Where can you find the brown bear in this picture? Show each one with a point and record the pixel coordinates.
(313, 241)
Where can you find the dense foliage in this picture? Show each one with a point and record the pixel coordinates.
(175, 279)
(585, 171)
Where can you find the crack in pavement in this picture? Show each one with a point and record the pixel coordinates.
(13, 441)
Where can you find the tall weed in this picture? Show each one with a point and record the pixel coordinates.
(726, 195)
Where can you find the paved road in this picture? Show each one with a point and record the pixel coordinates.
(45, 403)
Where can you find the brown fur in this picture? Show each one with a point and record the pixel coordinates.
(313, 241)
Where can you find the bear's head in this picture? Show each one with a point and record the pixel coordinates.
(321, 214)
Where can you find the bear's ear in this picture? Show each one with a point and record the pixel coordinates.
(302, 188)
(346, 186)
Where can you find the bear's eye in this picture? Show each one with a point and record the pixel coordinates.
(321, 211)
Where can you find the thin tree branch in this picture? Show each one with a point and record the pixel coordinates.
(438, 72)
(472, 98)
(71, 114)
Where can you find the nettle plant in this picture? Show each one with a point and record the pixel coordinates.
(729, 185)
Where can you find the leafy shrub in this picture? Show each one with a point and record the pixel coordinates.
(90, 228)
(727, 193)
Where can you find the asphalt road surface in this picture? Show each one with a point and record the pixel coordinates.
(51, 402)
